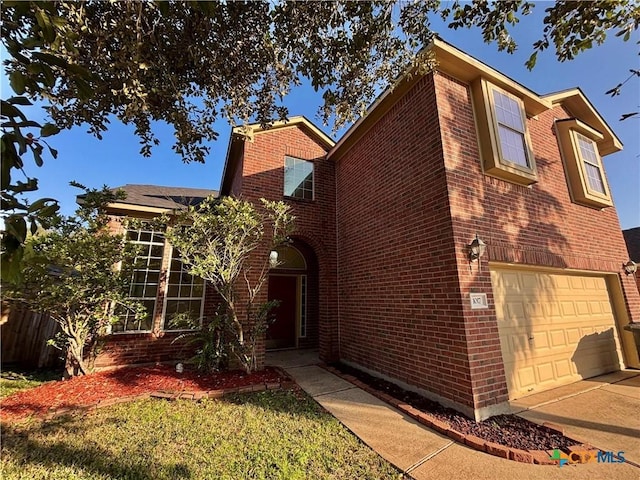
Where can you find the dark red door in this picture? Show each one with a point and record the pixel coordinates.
(282, 332)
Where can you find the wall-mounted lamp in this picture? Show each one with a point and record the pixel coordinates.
(630, 267)
(273, 259)
(476, 249)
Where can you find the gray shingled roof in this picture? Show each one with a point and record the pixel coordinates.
(164, 197)
(632, 238)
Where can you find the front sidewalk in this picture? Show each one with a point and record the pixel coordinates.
(416, 450)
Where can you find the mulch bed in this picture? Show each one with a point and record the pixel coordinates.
(508, 430)
(91, 389)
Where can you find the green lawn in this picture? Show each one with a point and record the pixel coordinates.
(273, 434)
(14, 380)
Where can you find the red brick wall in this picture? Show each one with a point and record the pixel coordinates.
(263, 176)
(539, 225)
(411, 195)
(236, 175)
(400, 309)
(150, 347)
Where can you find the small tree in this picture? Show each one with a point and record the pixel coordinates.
(72, 272)
(215, 240)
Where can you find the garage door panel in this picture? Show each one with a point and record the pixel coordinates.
(545, 372)
(576, 283)
(582, 308)
(563, 368)
(560, 282)
(595, 308)
(554, 328)
(552, 311)
(568, 309)
(573, 336)
(558, 338)
(529, 281)
(527, 377)
(509, 284)
(540, 341)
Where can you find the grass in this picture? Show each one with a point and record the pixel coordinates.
(266, 435)
(14, 380)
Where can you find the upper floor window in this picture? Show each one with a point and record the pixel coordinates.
(583, 165)
(298, 178)
(589, 156)
(510, 123)
(502, 129)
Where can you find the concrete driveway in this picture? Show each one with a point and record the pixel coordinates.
(603, 411)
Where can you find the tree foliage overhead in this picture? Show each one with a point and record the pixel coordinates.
(191, 63)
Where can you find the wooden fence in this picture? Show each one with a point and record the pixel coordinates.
(23, 338)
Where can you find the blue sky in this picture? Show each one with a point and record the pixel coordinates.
(116, 160)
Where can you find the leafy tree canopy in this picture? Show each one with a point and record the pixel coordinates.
(190, 63)
(215, 240)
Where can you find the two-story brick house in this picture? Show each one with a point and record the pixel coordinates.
(380, 273)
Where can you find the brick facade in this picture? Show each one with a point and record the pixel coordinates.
(262, 170)
(400, 312)
(632, 239)
(385, 237)
(537, 225)
(158, 346)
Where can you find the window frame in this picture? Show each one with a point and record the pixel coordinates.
(567, 131)
(160, 301)
(166, 297)
(313, 179)
(493, 160)
(149, 245)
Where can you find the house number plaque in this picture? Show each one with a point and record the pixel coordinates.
(478, 301)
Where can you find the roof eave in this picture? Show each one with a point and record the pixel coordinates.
(463, 66)
(299, 120)
(580, 106)
(451, 61)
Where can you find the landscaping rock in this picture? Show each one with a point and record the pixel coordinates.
(510, 431)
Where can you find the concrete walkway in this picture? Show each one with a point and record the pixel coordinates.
(603, 411)
(417, 451)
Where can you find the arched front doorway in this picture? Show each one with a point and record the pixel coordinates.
(294, 284)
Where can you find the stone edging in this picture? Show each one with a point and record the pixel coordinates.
(540, 457)
(195, 395)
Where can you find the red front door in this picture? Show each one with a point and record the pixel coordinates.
(282, 332)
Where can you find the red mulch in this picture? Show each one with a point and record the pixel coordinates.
(125, 382)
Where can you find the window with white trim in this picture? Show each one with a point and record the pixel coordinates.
(505, 145)
(583, 164)
(160, 284)
(298, 178)
(145, 279)
(185, 294)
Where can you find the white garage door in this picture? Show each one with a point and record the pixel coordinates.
(554, 328)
